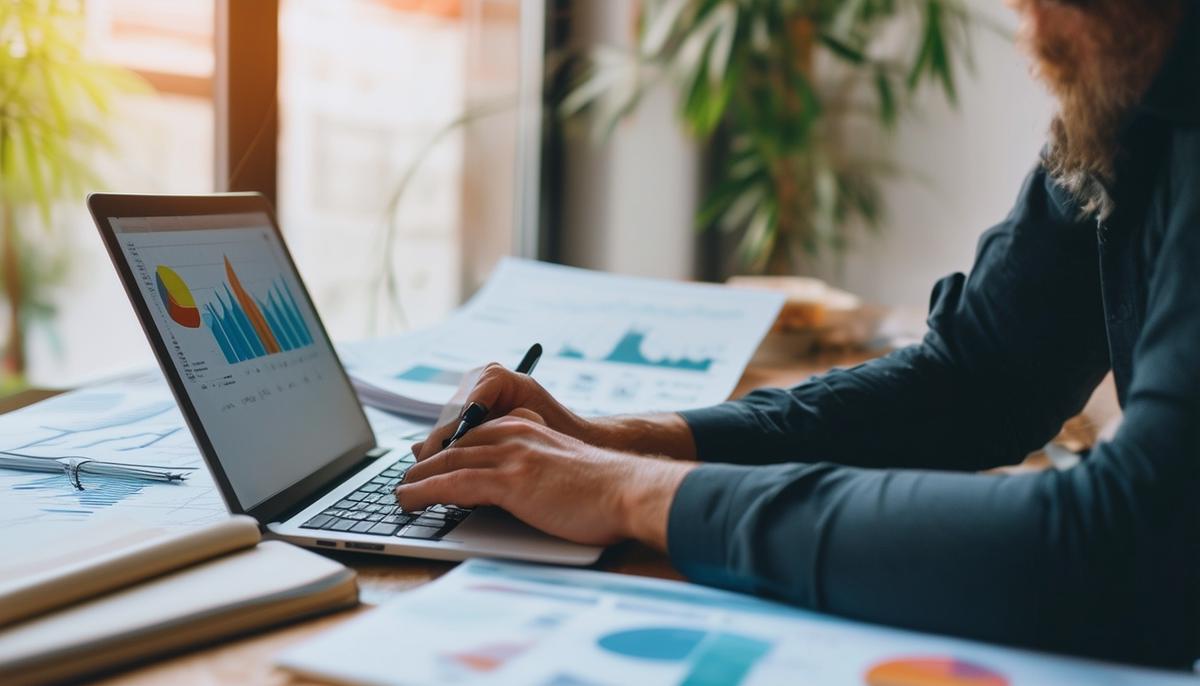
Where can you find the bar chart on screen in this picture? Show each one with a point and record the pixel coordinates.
(230, 312)
(246, 327)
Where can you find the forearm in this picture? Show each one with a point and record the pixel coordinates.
(1057, 561)
(659, 435)
(645, 499)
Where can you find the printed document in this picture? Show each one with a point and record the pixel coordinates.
(131, 420)
(502, 623)
(613, 344)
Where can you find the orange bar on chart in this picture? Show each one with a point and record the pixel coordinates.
(256, 317)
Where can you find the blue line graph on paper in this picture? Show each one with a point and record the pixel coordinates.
(133, 420)
(59, 435)
(97, 495)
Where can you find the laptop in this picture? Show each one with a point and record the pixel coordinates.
(264, 394)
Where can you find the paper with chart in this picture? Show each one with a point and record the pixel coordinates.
(131, 420)
(134, 420)
(505, 623)
(614, 344)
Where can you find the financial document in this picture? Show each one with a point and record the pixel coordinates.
(501, 623)
(613, 344)
(131, 420)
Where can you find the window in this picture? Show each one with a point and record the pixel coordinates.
(162, 143)
(366, 88)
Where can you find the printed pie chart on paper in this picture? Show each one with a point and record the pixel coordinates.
(932, 671)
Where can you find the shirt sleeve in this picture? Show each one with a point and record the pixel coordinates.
(1100, 560)
(1028, 317)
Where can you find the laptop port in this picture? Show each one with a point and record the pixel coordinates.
(354, 545)
(327, 544)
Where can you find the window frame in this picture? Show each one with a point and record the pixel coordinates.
(246, 108)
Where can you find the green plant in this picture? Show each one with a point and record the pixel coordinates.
(780, 90)
(53, 101)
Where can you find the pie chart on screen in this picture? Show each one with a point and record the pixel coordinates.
(932, 671)
(176, 297)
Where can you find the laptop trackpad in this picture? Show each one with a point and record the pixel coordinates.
(493, 532)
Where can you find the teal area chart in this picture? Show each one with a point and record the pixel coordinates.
(628, 350)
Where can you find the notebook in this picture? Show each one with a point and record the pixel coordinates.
(112, 593)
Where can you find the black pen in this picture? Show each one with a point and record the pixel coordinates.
(474, 413)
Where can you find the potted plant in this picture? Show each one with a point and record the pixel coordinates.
(53, 102)
(779, 90)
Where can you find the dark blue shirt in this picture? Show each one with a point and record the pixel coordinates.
(855, 493)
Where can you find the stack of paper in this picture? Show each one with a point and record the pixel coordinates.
(614, 344)
(498, 623)
(383, 380)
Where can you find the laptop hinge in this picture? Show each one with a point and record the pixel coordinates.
(335, 481)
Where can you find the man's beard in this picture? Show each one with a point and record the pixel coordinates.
(1096, 94)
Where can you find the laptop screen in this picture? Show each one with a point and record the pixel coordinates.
(254, 361)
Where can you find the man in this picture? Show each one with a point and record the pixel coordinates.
(857, 493)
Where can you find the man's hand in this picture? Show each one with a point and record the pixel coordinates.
(503, 392)
(551, 481)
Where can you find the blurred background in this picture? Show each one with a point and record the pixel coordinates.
(409, 144)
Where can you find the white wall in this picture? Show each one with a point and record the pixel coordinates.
(967, 165)
(629, 203)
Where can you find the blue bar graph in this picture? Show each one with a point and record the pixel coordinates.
(238, 337)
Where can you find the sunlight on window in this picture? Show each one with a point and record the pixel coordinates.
(366, 87)
(162, 143)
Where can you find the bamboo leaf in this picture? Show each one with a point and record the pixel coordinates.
(659, 27)
(33, 168)
(887, 99)
(847, 16)
(719, 54)
(842, 49)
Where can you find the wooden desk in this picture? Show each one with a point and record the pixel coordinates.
(248, 660)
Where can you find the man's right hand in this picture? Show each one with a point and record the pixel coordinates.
(501, 391)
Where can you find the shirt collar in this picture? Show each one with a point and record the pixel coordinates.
(1174, 95)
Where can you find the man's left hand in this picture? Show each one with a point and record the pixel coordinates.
(551, 481)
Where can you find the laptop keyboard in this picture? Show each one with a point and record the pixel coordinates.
(371, 509)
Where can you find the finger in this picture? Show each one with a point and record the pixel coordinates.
(465, 488)
(433, 441)
(529, 415)
(485, 391)
(505, 430)
(416, 449)
(453, 459)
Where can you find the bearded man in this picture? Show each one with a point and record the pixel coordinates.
(858, 493)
